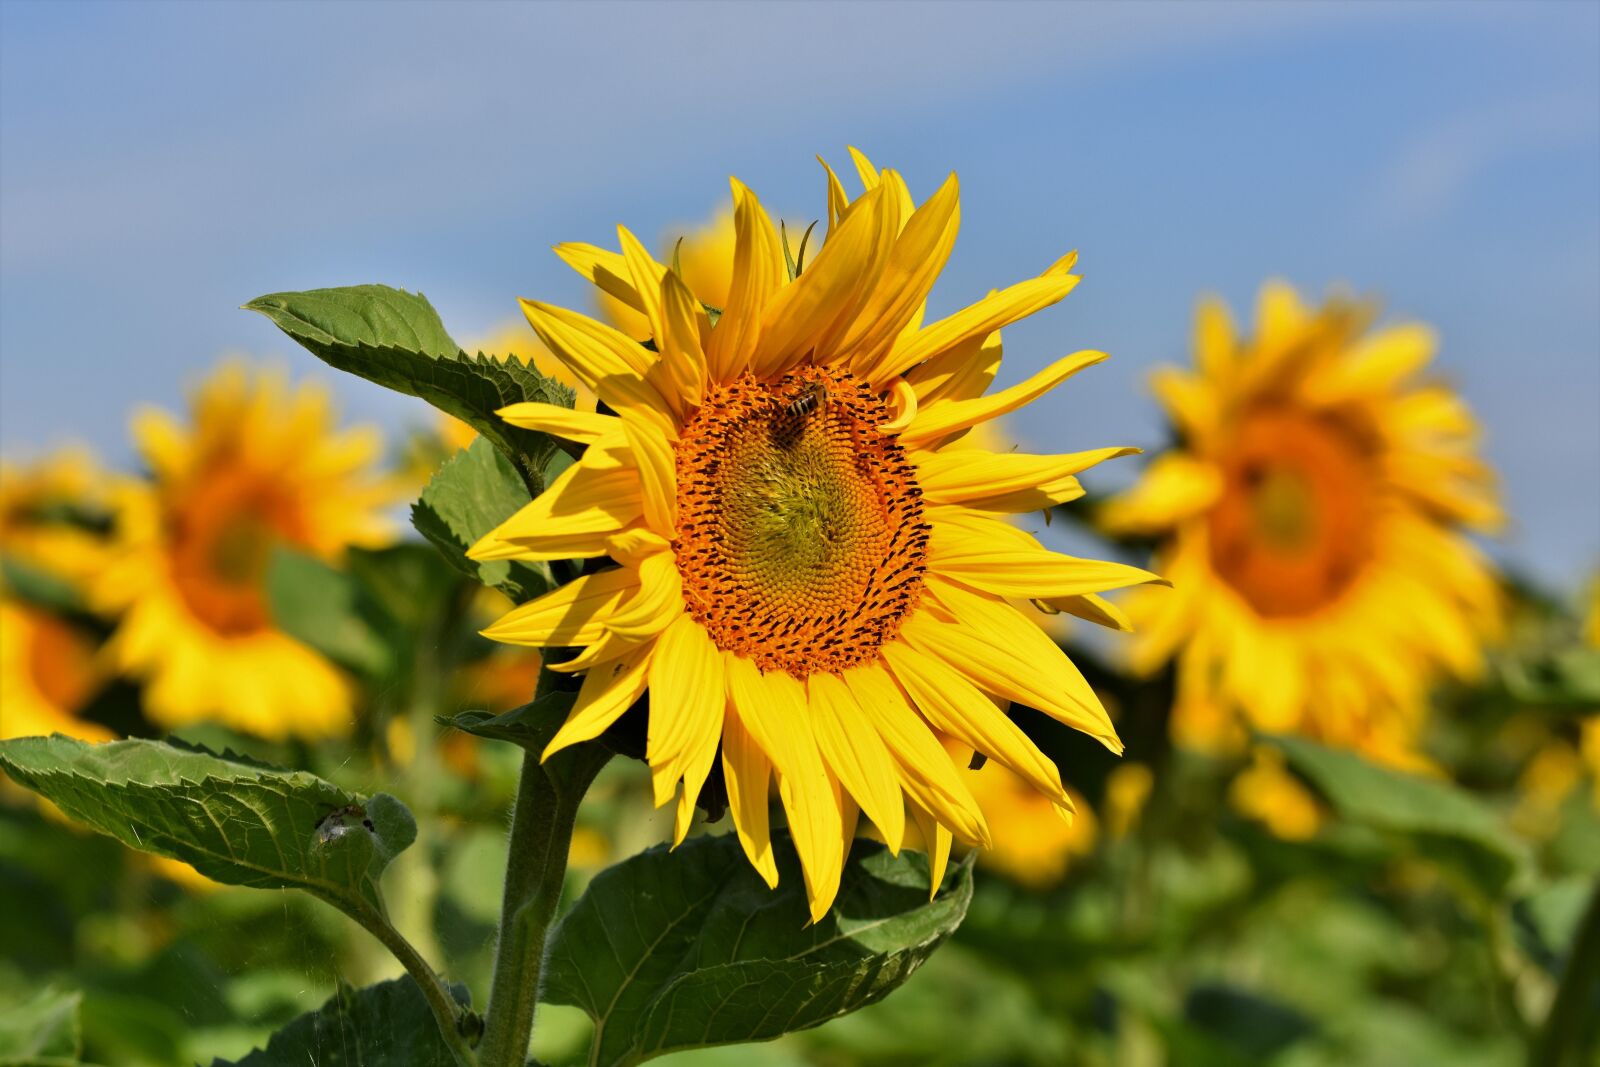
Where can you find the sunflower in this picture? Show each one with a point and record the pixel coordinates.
(48, 673)
(52, 519)
(261, 466)
(1312, 521)
(51, 515)
(784, 551)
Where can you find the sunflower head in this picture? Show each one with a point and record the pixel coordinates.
(793, 555)
(257, 467)
(1312, 518)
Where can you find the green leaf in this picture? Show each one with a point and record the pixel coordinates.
(1439, 820)
(472, 493)
(532, 725)
(237, 821)
(395, 338)
(689, 948)
(39, 587)
(329, 610)
(383, 1025)
(42, 1030)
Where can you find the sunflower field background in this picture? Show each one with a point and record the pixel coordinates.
(1213, 680)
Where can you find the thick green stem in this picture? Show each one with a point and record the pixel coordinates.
(541, 835)
(1563, 1039)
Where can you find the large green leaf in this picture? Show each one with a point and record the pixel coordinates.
(1439, 820)
(689, 948)
(395, 338)
(42, 1031)
(235, 820)
(383, 1025)
(471, 494)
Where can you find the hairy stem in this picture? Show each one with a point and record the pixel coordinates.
(541, 835)
(456, 1023)
(1563, 1038)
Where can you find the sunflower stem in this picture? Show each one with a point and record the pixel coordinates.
(541, 835)
(1571, 1020)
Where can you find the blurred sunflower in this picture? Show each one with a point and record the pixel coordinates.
(261, 466)
(1035, 839)
(804, 573)
(52, 515)
(48, 673)
(1311, 519)
(52, 522)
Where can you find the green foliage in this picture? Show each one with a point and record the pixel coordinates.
(42, 1031)
(1439, 821)
(395, 338)
(383, 1025)
(530, 726)
(472, 493)
(329, 610)
(235, 820)
(689, 948)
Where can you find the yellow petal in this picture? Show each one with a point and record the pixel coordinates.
(1214, 338)
(903, 402)
(773, 708)
(1175, 486)
(685, 323)
(1280, 316)
(608, 691)
(965, 372)
(658, 479)
(1191, 401)
(926, 773)
(837, 200)
(803, 314)
(686, 704)
(857, 753)
(758, 273)
(1377, 365)
(585, 427)
(942, 418)
(580, 510)
(936, 840)
(608, 361)
(608, 270)
(748, 774)
(864, 168)
(655, 606)
(1091, 607)
(1006, 481)
(955, 705)
(1007, 654)
(1011, 569)
(573, 614)
(913, 264)
(979, 320)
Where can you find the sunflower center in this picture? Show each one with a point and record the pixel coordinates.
(223, 539)
(800, 534)
(1293, 526)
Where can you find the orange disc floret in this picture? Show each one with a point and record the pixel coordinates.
(800, 539)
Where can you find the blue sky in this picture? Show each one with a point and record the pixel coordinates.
(162, 164)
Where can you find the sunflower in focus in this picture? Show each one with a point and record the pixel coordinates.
(786, 553)
(1312, 519)
(260, 466)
